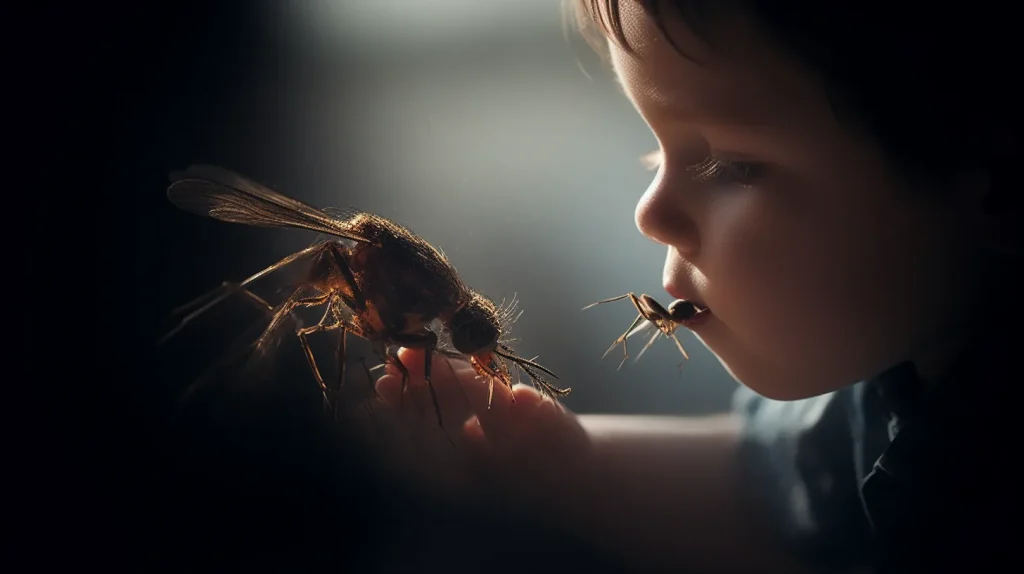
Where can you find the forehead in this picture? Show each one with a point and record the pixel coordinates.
(741, 78)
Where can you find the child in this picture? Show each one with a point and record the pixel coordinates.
(834, 185)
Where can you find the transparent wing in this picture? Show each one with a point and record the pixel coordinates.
(221, 194)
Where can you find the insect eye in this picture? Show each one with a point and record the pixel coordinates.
(472, 330)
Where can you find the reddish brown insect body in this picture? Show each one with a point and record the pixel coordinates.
(387, 285)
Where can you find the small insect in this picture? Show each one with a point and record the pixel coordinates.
(374, 279)
(652, 314)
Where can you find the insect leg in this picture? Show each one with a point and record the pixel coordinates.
(393, 357)
(357, 301)
(680, 346)
(428, 342)
(341, 355)
(657, 314)
(226, 290)
(204, 302)
(369, 377)
(302, 333)
(623, 339)
(650, 309)
(653, 338)
(543, 386)
(285, 310)
(648, 313)
(619, 298)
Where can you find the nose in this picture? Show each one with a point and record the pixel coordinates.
(662, 215)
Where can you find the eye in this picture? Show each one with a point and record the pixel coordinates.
(718, 171)
(713, 170)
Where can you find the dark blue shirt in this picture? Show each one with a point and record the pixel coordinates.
(884, 475)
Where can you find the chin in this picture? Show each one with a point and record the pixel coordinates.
(777, 383)
(782, 377)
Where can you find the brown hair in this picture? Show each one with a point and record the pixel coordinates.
(931, 86)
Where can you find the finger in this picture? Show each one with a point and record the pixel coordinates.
(397, 386)
(494, 420)
(441, 367)
(450, 396)
(530, 404)
(389, 387)
(405, 406)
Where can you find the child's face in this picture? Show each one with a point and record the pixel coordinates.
(818, 265)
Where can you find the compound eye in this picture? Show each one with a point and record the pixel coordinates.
(474, 335)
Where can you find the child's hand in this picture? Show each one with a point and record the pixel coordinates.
(529, 442)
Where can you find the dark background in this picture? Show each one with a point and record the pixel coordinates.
(479, 125)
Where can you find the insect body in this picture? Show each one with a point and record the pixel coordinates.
(653, 314)
(378, 281)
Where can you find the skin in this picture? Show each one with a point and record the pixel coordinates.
(822, 267)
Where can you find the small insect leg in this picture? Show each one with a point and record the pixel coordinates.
(613, 299)
(624, 340)
(302, 334)
(341, 356)
(206, 301)
(357, 300)
(286, 310)
(227, 289)
(426, 341)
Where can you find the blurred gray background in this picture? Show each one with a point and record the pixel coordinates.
(491, 131)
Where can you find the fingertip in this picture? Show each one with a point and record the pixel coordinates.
(526, 395)
(410, 357)
(389, 387)
(478, 390)
(472, 429)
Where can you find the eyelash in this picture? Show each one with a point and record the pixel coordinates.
(713, 169)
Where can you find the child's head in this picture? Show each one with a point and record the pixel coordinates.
(826, 176)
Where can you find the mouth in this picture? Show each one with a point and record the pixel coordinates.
(693, 315)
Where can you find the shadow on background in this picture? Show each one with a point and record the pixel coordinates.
(473, 126)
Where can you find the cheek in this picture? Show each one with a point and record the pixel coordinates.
(753, 259)
(790, 288)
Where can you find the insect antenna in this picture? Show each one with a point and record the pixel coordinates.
(508, 354)
(544, 386)
(531, 367)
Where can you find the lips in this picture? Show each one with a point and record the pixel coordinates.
(702, 315)
(679, 294)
